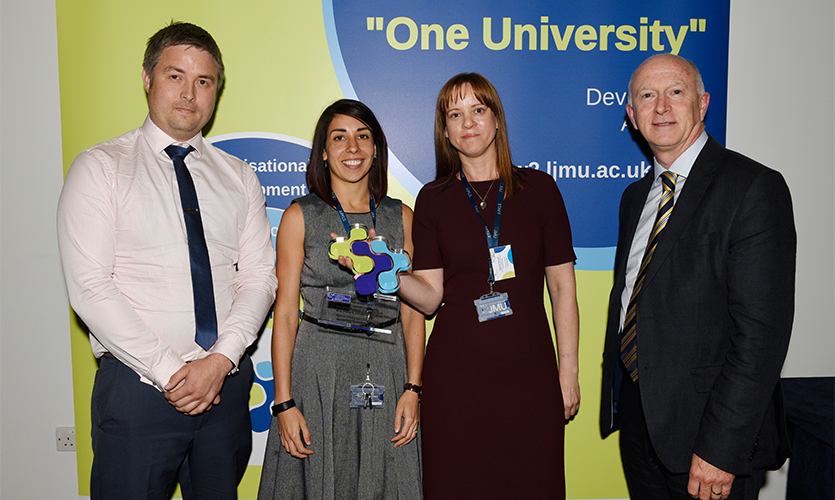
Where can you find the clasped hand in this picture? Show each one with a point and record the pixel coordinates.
(196, 386)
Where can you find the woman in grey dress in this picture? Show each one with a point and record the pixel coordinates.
(347, 376)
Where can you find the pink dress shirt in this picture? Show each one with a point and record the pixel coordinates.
(125, 256)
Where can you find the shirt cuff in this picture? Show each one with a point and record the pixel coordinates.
(229, 346)
(163, 371)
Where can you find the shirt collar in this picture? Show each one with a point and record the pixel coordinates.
(684, 163)
(159, 140)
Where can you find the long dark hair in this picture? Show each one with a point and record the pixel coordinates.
(318, 178)
(447, 161)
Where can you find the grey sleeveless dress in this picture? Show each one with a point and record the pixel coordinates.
(353, 457)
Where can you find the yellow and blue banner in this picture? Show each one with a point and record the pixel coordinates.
(561, 69)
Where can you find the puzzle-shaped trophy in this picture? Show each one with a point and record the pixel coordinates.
(375, 264)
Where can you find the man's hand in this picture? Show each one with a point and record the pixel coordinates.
(708, 482)
(195, 387)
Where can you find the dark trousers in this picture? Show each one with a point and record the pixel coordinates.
(647, 478)
(143, 446)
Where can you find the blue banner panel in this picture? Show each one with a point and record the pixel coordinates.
(561, 69)
(279, 161)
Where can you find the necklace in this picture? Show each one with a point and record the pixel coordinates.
(483, 204)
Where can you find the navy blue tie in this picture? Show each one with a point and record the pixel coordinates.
(205, 316)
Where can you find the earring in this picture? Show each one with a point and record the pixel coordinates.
(326, 164)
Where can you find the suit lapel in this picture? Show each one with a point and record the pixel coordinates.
(700, 178)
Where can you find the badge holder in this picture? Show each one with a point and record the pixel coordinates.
(367, 395)
(492, 305)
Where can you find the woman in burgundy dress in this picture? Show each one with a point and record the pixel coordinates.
(487, 237)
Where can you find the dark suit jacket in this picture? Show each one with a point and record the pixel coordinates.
(714, 316)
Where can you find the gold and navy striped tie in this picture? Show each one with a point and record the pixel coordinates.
(629, 339)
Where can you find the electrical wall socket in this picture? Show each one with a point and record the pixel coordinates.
(65, 438)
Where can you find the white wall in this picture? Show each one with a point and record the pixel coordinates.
(35, 364)
(780, 112)
(781, 99)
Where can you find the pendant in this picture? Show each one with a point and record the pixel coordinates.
(483, 204)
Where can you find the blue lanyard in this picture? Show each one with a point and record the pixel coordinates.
(492, 239)
(371, 207)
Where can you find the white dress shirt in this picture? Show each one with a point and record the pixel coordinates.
(681, 167)
(124, 250)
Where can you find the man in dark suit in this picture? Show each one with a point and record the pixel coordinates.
(701, 310)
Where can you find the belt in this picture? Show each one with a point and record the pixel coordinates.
(341, 327)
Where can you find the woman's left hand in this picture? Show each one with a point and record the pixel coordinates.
(570, 394)
(406, 419)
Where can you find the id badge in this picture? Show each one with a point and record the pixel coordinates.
(492, 306)
(502, 260)
(367, 395)
(338, 300)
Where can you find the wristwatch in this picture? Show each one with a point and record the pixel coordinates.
(412, 387)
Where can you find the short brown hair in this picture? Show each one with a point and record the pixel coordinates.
(180, 33)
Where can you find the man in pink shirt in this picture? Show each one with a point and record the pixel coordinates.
(165, 244)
